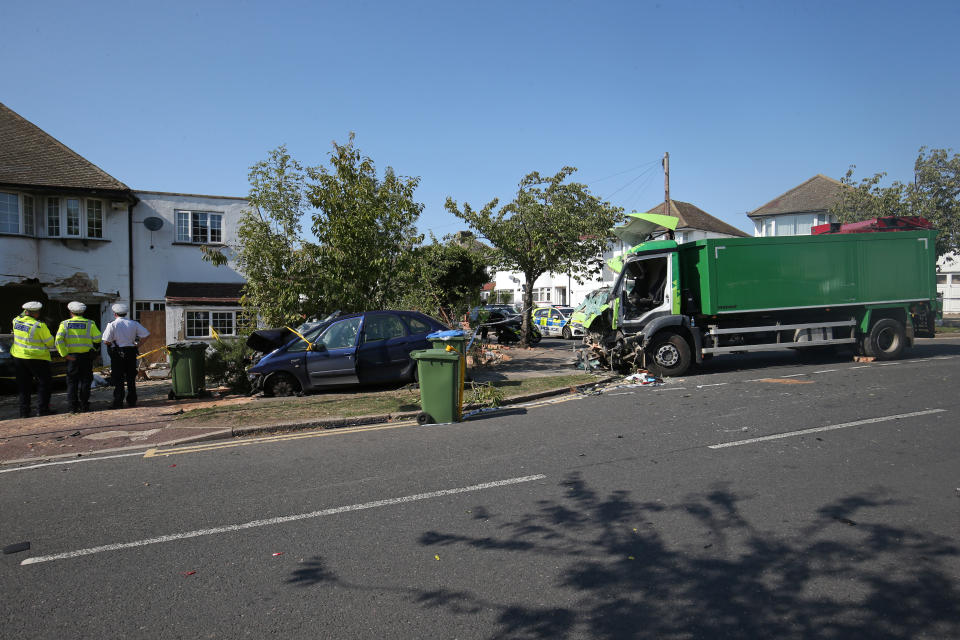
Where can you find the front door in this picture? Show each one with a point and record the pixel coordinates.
(335, 363)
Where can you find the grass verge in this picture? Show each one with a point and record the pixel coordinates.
(351, 404)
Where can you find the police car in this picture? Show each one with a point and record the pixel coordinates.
(555, 321)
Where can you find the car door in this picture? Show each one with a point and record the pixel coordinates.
(333, 358)
(383, 351)
(539, 318)
(555, 323)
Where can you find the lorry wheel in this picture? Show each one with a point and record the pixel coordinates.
(886, 340)
(668, 355)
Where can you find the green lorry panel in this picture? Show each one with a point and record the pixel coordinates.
(731, 275)
(675, 284)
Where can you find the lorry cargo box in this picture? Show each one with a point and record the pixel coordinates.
(734, 275)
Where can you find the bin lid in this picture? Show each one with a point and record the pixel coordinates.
(192, 344)
(434, 354)
(445, 335)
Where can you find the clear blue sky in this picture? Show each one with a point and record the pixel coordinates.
(749, 98)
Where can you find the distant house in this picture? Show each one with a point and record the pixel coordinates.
(561, 289)
(70, 231)
(798, 210)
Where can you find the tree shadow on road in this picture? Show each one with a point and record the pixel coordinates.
(619, 574)
(835, 578)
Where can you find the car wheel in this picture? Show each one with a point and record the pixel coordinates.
(668, 355)
(281, 384)
(567, 335)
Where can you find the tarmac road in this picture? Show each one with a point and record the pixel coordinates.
(759, 498)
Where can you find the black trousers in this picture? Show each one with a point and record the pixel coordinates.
(123, 370)
(29, 369)
(79, 379)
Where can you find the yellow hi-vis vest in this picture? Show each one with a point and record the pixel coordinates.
(77, 335)
(31, 339)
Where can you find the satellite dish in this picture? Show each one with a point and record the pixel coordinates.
(153, 223)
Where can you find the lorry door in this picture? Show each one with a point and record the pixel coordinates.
(645, 290)
(335, 362)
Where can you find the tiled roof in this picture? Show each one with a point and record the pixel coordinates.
(819, 193)
(693, 217)
(31, 157)
(214, 292)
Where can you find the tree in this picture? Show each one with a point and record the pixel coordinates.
(270, 252)
(365, 227)
(447, 278)
(550, 226)
(934, 194)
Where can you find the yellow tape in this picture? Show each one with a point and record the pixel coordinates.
(144, 355)
(299, 335)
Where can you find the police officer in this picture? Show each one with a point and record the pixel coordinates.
(77, 340)
(122, 337)
(31, 356)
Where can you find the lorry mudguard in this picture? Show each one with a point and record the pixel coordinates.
(657, 324)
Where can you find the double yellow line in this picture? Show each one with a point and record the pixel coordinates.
(200, 448)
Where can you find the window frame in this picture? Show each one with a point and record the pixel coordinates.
(190, 322)
(14, 198)
(187, 221)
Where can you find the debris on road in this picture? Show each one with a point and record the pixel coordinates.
(188, 573)
(16, 548)
(278, 553)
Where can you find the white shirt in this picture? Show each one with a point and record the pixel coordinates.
(123, 332)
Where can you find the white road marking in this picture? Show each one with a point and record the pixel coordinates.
(279, 520)
(625, 393)
(797, 375)
(72, 461)
(827, 428)
(887, 364)
(823, 371)
(716, 384)
(674, 389)
(862, 366)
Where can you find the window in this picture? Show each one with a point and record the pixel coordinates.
(94, 219)
(383, 327)
(53, 217)
(147, 306)
(199, 227)
(943, 278)
(73, 217)
(769, 227)
(198, 324)
(9, 213)
(222, 322)
(28, 221)
(341, 334)
(542, 294)
(417, 325)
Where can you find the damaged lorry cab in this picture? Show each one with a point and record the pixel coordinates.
(676, 304)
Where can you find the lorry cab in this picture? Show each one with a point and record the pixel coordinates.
(644, 290)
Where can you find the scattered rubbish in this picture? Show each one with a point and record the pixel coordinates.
(581, 455)
(436, 557)
(173, 465)
(278, 553)
(707, 546)
(99, 381)
(16, 548)
(189, 573)
(820, 439)
(146, 484)
(847, 521)
(619, 436)
(864, 358)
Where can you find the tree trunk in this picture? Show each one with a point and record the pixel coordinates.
(527, 308)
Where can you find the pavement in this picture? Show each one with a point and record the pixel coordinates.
(154, 421)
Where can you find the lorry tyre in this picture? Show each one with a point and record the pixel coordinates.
(668, 355)
(886, 340)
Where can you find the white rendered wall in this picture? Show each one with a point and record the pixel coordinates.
(159, 259)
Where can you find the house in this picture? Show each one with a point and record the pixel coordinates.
(799, 209)
(562, 289)
(70, 231)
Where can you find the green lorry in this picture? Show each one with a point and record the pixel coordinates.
(674, 305)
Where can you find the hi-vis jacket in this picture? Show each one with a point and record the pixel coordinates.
(77, 335)
(31, 339)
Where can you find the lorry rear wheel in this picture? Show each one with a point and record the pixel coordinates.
(668, 355)
(886, 340)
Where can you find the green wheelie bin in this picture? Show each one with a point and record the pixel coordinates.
(441, 385)
(187, 369)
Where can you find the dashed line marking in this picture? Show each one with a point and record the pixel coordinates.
(73, 461)
(794, 375)
(862, 366)
(821, 371)
(280, 520)
(844, 425)
(887, 364)
(715, 384)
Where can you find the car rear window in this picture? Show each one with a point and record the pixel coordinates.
(417, 325)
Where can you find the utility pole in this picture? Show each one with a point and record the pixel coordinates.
(666, 183)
